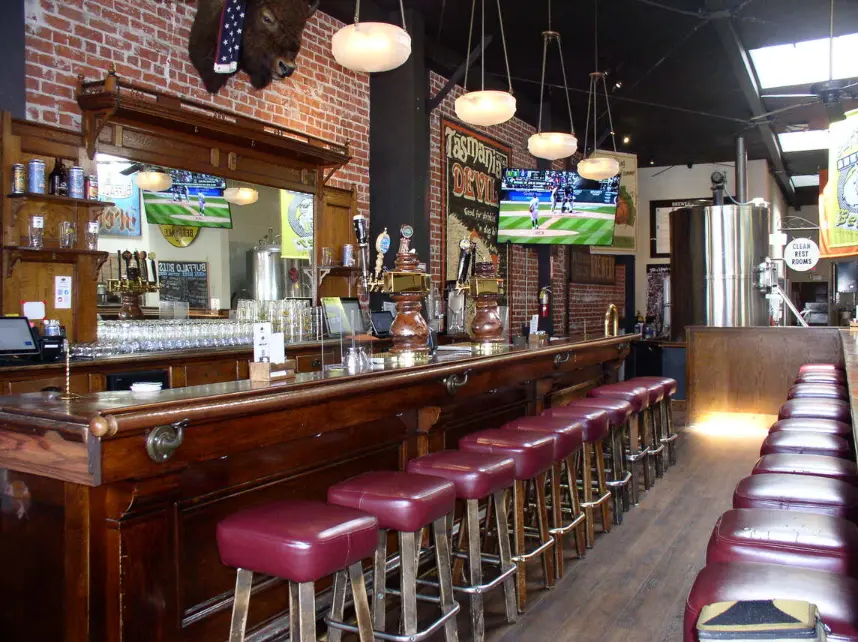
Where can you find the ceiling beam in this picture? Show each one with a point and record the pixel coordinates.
(740, 61)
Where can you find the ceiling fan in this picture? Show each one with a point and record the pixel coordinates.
(829, 93)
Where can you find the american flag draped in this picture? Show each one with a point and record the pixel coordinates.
(229, 37)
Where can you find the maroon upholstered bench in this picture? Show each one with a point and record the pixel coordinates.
(798, 493)
(791, 538)
(806, 443)
(836, 596)
(814, 465)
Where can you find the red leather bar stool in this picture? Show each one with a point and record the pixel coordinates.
(798, 493)
(478, 477)
(806, 443)
(836, 378)
(406, 503)
(816, 409)
(818, 391)
(568, 434)
(625, 455)
(804, 540)
(828, 368)
(822, 426)
(836, 596)
(533, 455)
(664, 408)
(814, 465)
(301, 542)
(595, 430)
(638, 397)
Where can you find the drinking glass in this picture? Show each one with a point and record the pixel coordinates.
(92, 235)
(68, 234)
(327, 256)
(37, 232)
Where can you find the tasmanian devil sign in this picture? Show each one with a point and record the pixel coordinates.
(472, 168)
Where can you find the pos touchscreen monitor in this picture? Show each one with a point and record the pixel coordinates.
(17, 338)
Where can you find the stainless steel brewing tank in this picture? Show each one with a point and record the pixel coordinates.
(715, 251)
(265, 273)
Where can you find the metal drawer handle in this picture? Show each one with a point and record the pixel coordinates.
(163, 441)
(454, 382)
(560, 359)
(317, 363)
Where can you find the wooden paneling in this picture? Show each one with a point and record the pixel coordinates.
(334, 226)
(750, 370)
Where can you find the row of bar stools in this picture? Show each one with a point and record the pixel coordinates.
(301, 542)
(533, 454)
(569, 445)
(478, 477)
(406, 503)
(664, 408)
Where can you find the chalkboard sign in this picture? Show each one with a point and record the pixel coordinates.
(186, 281)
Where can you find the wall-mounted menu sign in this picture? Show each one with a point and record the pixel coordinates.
(596, 269)
(186, 281)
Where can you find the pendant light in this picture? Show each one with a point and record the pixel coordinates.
(552, 145)
(485, 107)
(372, 46)
(240, 195)
(153, 179)
(603, 167)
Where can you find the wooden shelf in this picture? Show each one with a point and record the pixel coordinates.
(14, 254)
(63, 200)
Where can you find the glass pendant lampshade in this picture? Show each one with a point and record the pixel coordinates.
(240, 195)
(153, 180)
(371, 46)
(486, 107)
(598, 168)
(552, 145)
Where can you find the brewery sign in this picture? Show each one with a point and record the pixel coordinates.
(179, 235)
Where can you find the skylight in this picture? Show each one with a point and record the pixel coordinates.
(805, 62)
(805, 180)
(804, 141)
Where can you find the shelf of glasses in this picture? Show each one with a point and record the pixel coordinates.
(63, 200)
(14, 254)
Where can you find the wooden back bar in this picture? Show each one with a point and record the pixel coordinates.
(750, 370)
(101, 543)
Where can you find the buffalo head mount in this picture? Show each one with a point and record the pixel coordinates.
(269, 39)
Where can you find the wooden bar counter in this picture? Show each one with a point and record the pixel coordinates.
(106, 534)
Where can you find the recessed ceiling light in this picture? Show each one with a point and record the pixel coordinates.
(804, 141)
(805, 62)
(626, 140)
(805, 180)
(652, 162)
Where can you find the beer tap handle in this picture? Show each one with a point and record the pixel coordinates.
(144, 269)
(154, 268)
(463, 272)
(126, 256)
(382, 245)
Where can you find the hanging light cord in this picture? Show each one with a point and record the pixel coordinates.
(594, 91)
(610, 119)
(470, 40)
(505, 55)
(831, 43)
(401, 12)
(546, 36)
(483, 40)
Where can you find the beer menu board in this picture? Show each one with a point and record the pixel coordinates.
(186, 281)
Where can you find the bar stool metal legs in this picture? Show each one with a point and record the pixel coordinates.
(568, 505)
(656, 438)
(670, 432)
(593, 455)
(620, 479)
(546, 542)
(636, 459)
(354, 575)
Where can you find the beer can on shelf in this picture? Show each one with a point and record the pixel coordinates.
(348, 255)
(36, 176)
(19, 179)
(90, 188)
(76, 182)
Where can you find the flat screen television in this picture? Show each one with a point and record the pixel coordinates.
(556, 207)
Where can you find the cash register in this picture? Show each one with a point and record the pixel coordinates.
(20, 344)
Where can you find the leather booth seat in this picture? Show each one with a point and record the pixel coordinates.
(816, 408)
(798, 493)
(637, 395)
(814, 465)
(836, 596)
(568, 433)
(297, 540)
(595, 422)
(824, 426)
(818, 391)
(806, 443)
(475, 475)
(791, 538)
(403, 502)
(532, 453)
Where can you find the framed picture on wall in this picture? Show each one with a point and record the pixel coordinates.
(659, 223)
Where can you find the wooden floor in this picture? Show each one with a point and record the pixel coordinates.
(631, 587)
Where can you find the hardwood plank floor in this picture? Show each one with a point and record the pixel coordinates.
(631, 587)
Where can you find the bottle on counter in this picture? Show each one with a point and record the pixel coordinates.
(58, 181)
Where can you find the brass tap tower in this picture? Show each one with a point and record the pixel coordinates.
(612, 315)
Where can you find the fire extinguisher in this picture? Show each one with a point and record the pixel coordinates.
(545, 302)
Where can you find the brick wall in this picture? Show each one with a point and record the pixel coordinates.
(588, 303)
(558, 288)
(147, 41)
(523, 278)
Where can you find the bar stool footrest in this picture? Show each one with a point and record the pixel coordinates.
(670, 439)
(413, 637)
(562, 530)
(655, 452)
(479, 589)
(620, 483)
(637, 456)
(597, 502)
(539, 550)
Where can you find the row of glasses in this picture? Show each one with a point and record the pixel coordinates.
(295, 318)
(130, 337)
